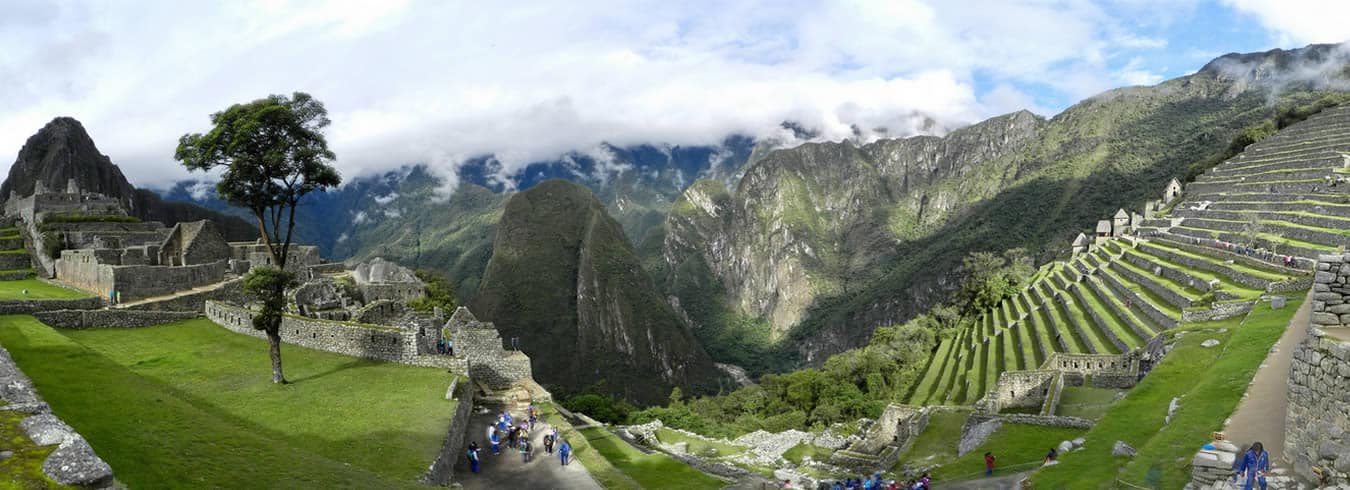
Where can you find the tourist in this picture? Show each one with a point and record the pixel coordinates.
(1253, 466)
(1050, 458)
(564, 451)
(440, 346)
(838, 485)
(988, 464)
(496, 439)
(450, 347)
(530, 413)
(548, 443)
(512, 437)
(473, 456)
(524, 449)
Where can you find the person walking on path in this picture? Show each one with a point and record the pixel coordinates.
(1253, 466)
(496, 439)
(564, 451)
(524, 450)
(473, 456)
(548, 443)
(988, 464)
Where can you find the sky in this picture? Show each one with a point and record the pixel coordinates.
(442, 81)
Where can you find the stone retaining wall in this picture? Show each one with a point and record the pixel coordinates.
(82, 319)
(1316, 435)
(1141, 330)
(1103, 327)
(231, 291)
(1218, 311)
(30, 306)
(73, 462)
(1172, 297)
(1205, 265)
(1208, 236)
(1342, 211)
(1180, 276)
(1183, 242)
(1073, 322)
(363, 341)
(453, 449)
(1152, 312)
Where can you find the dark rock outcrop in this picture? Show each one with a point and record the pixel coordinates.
(564, 280)
(62, 150)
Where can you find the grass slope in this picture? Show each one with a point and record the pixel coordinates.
(650, 471)
(10, 290)
(1211, 382)
(192, 405)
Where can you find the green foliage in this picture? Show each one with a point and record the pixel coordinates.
(990, 279)
(650, 471)
(268, 285)
(53, 242)
(274, 153)
(366, 424)
(607, 409)
(857, 383)
(439, 293)
(1016, 448)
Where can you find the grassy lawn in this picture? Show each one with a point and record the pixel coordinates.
(36, 290)
(1211, 382)
(698, 446)
(24, 468)
(799, 453)
(650, 471)
(1016, 447)
(939, 439)
(600, 468)
(1085, 402)
(190, 404)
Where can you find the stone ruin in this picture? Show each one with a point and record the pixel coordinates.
(380, 279)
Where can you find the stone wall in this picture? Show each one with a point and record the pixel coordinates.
(1152, 312)
(1097, 318)
(26, 306)
(1094, 364)
(1218, 311)
(1019, 389)
(481, 346)
(453, 449)
(87, 270)
(1205, 265)
(81, 319)
(231, 291)
(1317, 425)
(1167, 294)
(1180, 276)
(363, 341)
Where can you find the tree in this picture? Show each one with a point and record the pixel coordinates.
(273, 153)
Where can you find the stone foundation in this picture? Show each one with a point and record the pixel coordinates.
(73, 462)
(81, 319)
(1317, 425)
(453, 449)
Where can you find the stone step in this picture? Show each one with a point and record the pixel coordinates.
(1294, 217)
(1305, 253)
(1325, 209)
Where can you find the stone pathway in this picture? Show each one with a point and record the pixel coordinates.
(1260, 414)
(176, 295)
(506, 469)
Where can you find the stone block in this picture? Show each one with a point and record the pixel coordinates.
(1327, 297)
(1330, 258)
(1339, 309)
(1122, 449)
(1323, 318)
(45, 429)
(1277, 302)
(1065, 447)
(1319, 306)
(74, 463)
(1324, 277)
(1321, 288)
(1329, 450)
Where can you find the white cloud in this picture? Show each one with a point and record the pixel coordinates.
(1299, 22)
(444, 81)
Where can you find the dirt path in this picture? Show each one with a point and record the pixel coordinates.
(1004, 482)
(506, 469)
(1260, 414)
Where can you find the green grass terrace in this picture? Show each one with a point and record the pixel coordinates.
(191, 405)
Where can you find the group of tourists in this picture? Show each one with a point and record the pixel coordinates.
(445, 347)
(875, 483)
(516, 435)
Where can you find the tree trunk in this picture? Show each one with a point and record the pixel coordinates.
(274, 339)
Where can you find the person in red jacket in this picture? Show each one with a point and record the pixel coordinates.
(988, 464)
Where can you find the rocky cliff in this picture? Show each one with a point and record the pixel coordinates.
(564, 279)
(63, 151)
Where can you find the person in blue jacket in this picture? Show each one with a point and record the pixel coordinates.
(1253, 467)
(496, 440)
(564, 451)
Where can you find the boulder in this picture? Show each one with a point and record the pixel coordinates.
(74, 463)
(1077, 443)
(1209, 343)
(45, 429)
(1122, 449)
(1065, 447)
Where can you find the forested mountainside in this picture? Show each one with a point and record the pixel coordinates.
(565, 282)
(820, 244)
